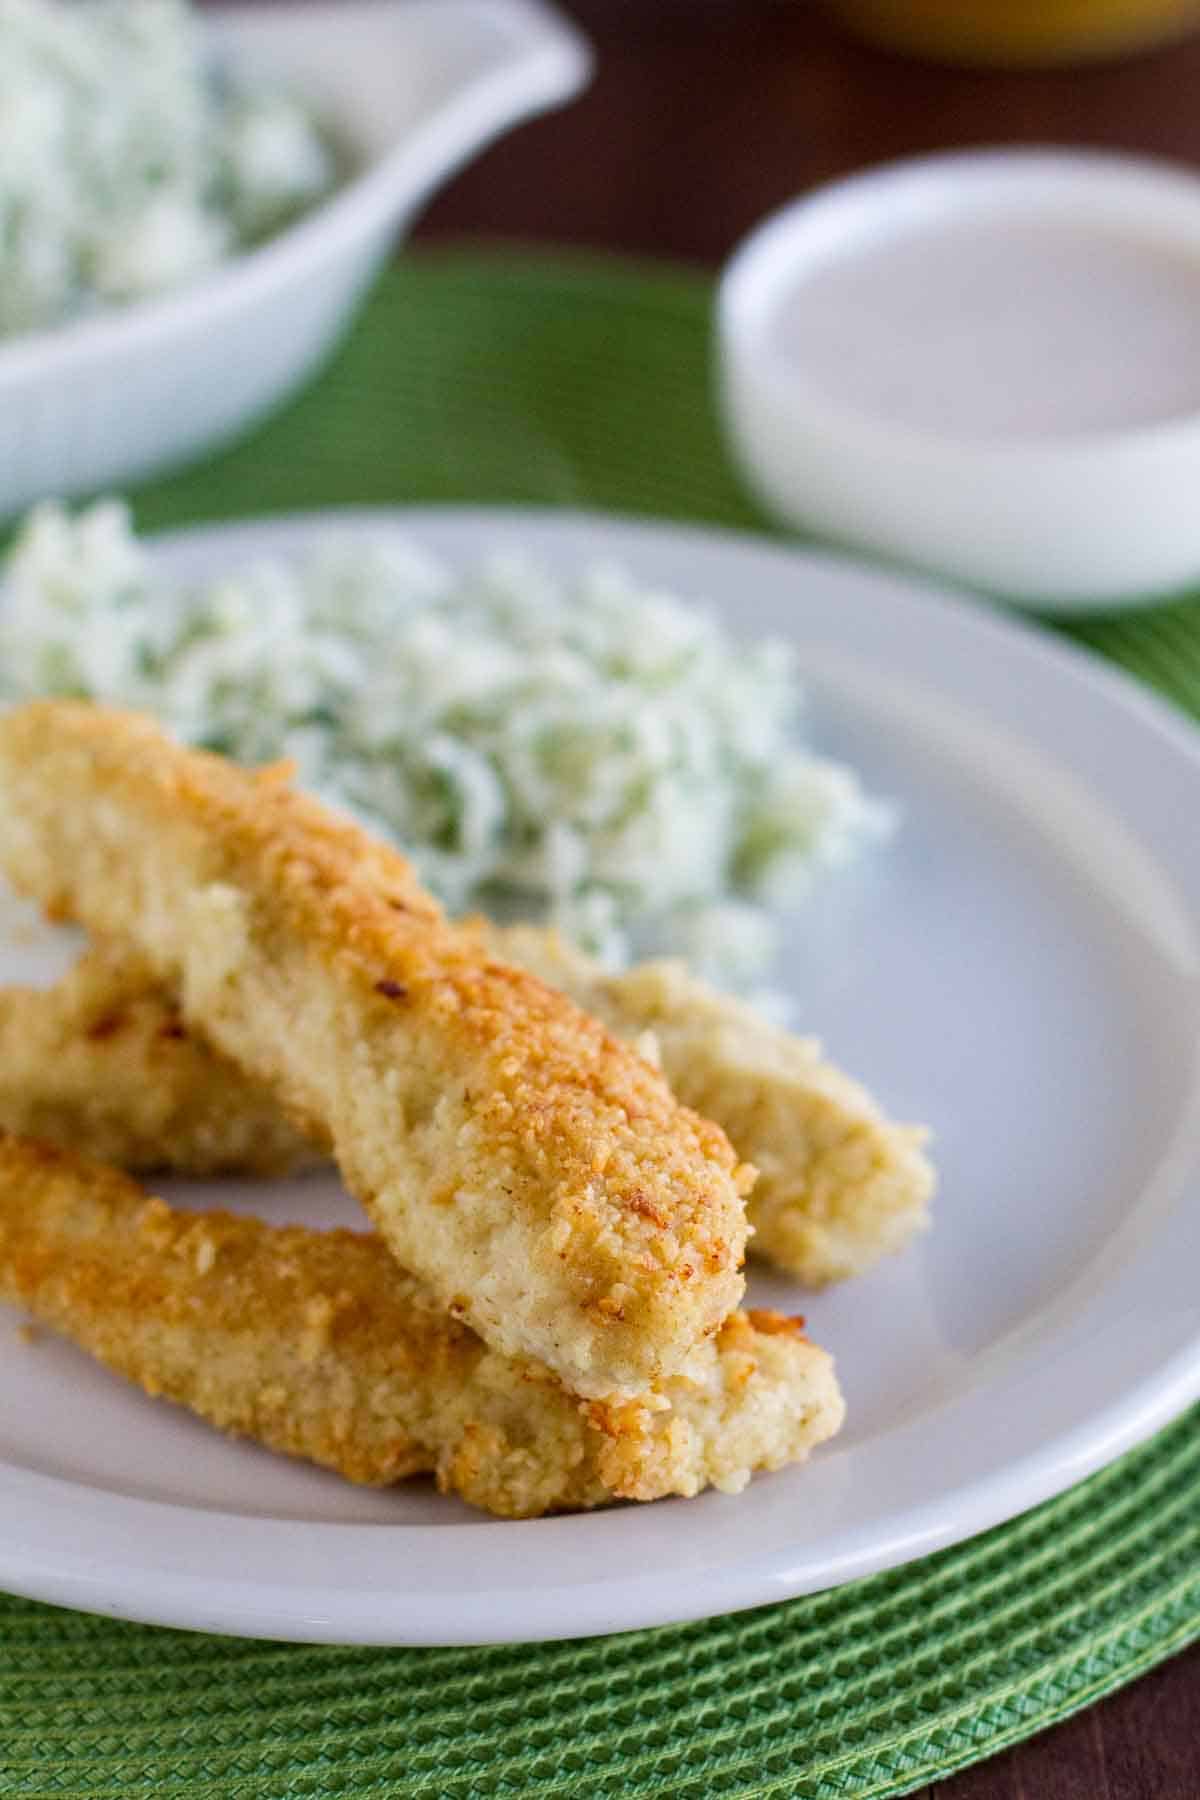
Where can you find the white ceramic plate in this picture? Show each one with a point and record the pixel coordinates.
(1020, 968)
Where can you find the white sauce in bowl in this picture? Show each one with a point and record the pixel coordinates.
(1006, 326)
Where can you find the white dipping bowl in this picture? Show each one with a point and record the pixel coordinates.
(987, 365)
(412, 88)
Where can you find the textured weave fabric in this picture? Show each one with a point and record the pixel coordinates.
(489, 378)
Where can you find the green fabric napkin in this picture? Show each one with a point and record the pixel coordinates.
(501, 378)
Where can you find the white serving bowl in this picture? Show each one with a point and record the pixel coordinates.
(993, 381)
(413, 88)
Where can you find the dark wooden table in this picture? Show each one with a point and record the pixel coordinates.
(705, 114)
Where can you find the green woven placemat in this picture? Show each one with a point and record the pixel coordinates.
(489, 378)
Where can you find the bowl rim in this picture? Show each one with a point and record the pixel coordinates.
(549, 60)
(788, 239)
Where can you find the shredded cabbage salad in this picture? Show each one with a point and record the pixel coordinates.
(583, 750)
(128, 166)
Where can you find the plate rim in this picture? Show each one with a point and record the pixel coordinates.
(102, 1578)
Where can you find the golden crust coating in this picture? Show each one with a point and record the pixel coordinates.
(522, 1162)
(839, 1185)
(103, 1063)
(318, 1345)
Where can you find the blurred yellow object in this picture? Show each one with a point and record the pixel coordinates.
(1016, 32)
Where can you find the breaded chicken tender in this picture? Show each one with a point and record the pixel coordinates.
(317, 1344)
(839, 1185)
(536, 1173)
(103, 1063)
